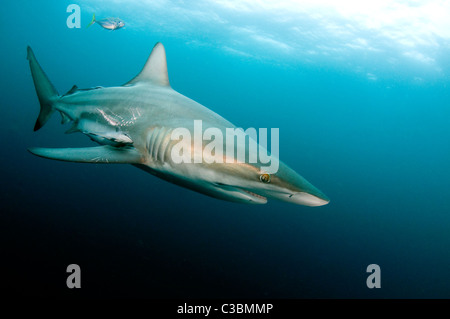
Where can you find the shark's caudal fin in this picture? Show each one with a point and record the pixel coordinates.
(155, 69)
(100, 154)
(45, 90)
(92, 21)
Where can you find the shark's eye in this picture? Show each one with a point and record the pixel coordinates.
(265, 178)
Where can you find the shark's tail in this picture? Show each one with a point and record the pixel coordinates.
(45, 90)
(92, 21)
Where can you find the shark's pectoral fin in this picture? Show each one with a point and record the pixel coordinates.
(100, 154)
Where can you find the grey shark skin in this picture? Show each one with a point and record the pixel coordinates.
(133, 124)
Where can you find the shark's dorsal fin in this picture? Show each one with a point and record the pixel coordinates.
(72, 90)
(155, 69)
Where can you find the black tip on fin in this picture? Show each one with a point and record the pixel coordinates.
(29, 53)
(37, 126)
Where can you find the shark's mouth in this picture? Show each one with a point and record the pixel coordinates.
(242, 194)
(251, 196)
(254, 194)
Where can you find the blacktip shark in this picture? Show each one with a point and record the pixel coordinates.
(133, 124)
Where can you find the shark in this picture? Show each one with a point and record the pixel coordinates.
(133, 124)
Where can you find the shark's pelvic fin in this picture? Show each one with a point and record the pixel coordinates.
(155, 69)
(64, 118)
(45, 90)
(100, 154)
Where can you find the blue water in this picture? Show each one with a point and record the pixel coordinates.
(362, 104)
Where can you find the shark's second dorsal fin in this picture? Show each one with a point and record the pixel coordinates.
(155, 69)
(72, 90)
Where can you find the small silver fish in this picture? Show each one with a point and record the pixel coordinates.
(108, 23)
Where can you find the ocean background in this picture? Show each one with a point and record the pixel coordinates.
(359, 90)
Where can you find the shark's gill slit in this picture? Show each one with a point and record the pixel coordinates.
(153, 136)
(158, 142)
(164, 145)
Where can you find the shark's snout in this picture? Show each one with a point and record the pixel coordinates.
(308, 199)
(291, 187)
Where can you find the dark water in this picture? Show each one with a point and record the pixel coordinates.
(368, 125)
